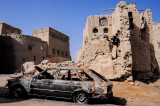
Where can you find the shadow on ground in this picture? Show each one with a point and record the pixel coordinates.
(115, 101)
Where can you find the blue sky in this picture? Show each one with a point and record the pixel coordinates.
(66, 16)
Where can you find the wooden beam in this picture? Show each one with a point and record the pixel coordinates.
(109, 9)
(114, 9)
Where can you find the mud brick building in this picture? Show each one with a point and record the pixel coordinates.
(16, 48)
(122, 44)
(7, 29)
(58, 44)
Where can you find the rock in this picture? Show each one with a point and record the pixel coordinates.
(132, 83)
(27, 67)
(136, 84)
(130, 79)
(45, 62)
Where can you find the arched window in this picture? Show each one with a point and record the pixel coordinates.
(105, 30)
(95, 30)
(103, 22)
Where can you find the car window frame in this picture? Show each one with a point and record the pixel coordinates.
(58, 70)
(80, 78)
(36, 77)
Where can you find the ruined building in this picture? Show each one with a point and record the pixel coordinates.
(58, 44)
(7, 29)
(16, 49)
(125, 43)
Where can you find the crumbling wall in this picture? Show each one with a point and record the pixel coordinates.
(126, 49)
(123, 61)
(107, 53)
(96, 45)
(7, 29)
(156, 40)
(27, 48)
(17, 49)
(144, 61)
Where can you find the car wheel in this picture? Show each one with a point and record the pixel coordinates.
(19, 92)
(81, 98)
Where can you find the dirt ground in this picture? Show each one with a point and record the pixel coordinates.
(125, 93)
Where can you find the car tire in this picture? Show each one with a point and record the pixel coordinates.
(81, 98)
(18, 92)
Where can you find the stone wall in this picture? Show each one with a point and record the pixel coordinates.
(7, 29)
(58, 44)
(127, 46)
(22, 48)
(16, 49)
(156, 40)
(7, 58)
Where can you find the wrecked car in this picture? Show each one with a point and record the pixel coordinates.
(77, 84)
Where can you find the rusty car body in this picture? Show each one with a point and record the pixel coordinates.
(78, 84)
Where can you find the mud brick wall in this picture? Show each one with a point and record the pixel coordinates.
(121, 44)
(58, 44)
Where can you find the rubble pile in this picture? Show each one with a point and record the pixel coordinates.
(29, 67)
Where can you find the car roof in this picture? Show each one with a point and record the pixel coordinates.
(69, 68)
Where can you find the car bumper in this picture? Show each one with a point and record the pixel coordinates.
(101, 96)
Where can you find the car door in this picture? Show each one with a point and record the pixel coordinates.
(64, 85)
(42, 85)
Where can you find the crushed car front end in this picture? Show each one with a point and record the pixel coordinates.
(19, 87)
